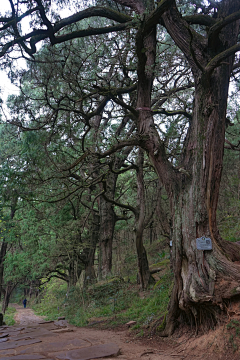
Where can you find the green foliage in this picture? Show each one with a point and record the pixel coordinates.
(52, 300)
(115, 301)
(9, 316)
(229, 200)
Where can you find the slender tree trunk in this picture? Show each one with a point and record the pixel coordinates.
(4, 248)
(107, 221)
(90, 276)
(7, 294)
(143, 268)
(2, 256)
(108, 217)
(71, 274)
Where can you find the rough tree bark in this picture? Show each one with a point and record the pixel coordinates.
(108, 217)
(203, 280)
(89, 252)
(107, 224)
(3, 254)
(143, 267)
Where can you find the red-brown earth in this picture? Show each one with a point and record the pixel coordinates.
(32, 338)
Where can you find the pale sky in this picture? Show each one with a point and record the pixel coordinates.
(6, 87)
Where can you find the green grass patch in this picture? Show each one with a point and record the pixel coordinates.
(114, 300)
(8, 317)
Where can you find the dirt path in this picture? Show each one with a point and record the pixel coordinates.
(32, 338)
(26, 316)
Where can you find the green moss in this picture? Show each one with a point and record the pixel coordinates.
(158, 283)
(165, 281)
(163, 263)
(161, 327)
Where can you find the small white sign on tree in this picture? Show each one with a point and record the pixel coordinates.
(204, 243)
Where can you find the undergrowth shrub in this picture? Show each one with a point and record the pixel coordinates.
(114, 301)
(9, 316)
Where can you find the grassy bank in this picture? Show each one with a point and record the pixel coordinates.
(8, 317)
(111, 303)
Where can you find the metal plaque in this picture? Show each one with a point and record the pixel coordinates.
(204, 243)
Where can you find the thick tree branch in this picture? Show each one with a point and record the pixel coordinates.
(92, 11)
(118, 172)
(123, 206)
(154, 17)
(217, 60)
(45, 20)
(217, 27)
(186, 38)
(79, 34)
(125, 106)
(39, 35)
(136, 5)
(131, 142)
(172, 113)
(200, 20)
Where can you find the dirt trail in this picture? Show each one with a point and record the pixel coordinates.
(32, 338)
(26, 316)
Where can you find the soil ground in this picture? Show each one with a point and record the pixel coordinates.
(55, 338)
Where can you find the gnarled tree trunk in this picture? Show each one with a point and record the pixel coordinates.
(202, 279)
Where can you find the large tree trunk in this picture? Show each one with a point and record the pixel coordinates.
(203, 280)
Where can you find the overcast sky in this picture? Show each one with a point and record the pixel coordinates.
(6, 87)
